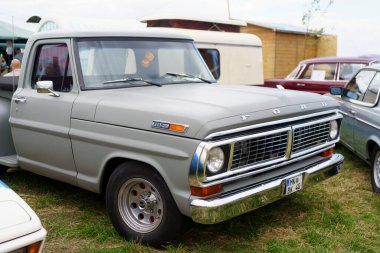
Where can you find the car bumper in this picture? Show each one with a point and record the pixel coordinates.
(229, 205)
(24, 241)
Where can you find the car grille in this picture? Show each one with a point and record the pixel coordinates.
(271, 148)
(260, 149)
(310, 136)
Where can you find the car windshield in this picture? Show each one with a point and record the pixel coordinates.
(131, 62)
(294, 73)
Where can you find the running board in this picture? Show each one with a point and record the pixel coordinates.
(10, 161)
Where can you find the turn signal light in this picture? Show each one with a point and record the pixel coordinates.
(34, 248)
(177, 128)
(206, 191)
(328, 152)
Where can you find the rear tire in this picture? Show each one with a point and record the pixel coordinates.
(375, 171)
(141, 207)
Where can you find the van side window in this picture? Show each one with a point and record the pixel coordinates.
(212, 59)
(52, 64)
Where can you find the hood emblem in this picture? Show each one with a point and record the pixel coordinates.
(276, 111)
(244, 117)
(174, 127)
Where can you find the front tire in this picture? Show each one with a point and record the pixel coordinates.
(141, 207)
(375, 171)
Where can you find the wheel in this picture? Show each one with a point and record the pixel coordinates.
(3, 169)
(375, 171)
(141, 207)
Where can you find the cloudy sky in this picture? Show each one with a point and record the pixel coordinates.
(355, 22)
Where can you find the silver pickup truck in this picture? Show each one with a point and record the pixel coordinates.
(138, 116)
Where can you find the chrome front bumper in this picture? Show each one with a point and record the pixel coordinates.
(229, 205)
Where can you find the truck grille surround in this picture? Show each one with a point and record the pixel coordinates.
(271, 147)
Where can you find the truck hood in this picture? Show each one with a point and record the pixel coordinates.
(16, 217)
(193, 105)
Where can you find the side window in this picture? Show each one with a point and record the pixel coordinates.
(308, 71)
(320, 72)
(52, 64)
(212, 59)
(372, 92)
(348, 70)
(358, 85)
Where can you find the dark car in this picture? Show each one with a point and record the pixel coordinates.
(320, 74)
(360, 129)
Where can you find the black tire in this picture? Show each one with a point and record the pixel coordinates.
(375, 171)
(137, 195)
(3, 169)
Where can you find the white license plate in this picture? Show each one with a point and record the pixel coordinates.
(293, 184)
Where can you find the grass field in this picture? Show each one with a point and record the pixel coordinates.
(339, 215)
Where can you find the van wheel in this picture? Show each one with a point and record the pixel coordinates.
(141, 207)
(375, 171)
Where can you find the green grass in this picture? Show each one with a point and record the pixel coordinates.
(339, 215)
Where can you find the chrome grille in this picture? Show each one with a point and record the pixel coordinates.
(310, 136)
(260, 149)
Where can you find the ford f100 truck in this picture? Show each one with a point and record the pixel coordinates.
(138, 116)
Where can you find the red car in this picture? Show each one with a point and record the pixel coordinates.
(319, 74)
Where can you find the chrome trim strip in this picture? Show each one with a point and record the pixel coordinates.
(227, 206)
(337, 116)
(241, 129)
(368, 123)
(252, 173)
(318, 148)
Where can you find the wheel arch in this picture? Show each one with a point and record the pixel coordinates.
(372, 144)
(114, 162)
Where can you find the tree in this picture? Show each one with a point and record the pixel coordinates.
(33, 19)
(314, 8)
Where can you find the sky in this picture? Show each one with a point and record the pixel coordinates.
(356, 23)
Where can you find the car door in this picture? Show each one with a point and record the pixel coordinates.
(352, 101)
(41, 121)
(366, 116)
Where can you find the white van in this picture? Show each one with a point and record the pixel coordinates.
(233, 58)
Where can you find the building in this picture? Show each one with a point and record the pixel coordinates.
(284, 46)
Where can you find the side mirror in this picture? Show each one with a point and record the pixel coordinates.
(336, 91)
(44, 86)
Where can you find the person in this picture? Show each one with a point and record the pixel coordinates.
(18, 54)
(3, 64)
(15, 67)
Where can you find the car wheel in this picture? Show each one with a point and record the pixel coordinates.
(375, 171)
(141, 207)
(3, 169)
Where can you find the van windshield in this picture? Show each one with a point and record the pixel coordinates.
(114, 62)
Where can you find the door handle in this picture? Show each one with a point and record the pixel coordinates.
(19, 100)
(300, 84)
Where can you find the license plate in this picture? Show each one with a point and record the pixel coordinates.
(293, 184)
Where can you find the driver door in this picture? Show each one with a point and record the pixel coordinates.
(41, 121)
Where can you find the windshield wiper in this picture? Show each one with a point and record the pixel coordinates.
(130, 80)
(188, 75)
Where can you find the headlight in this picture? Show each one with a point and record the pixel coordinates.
(334, 129)
(215, 160)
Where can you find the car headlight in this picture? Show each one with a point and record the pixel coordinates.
(215, 160)
(334, 129)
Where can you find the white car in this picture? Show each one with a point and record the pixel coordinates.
(20, 228)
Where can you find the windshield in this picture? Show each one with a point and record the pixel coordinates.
(130, 62)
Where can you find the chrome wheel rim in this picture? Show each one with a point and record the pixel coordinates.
(376, 170)
(140, 205)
